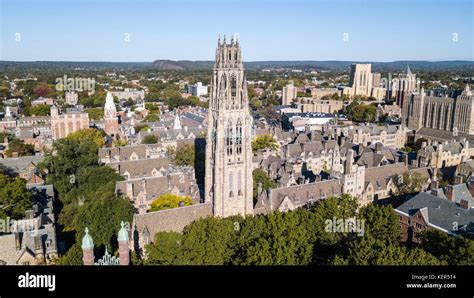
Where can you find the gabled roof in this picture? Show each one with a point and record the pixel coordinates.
(441, 213)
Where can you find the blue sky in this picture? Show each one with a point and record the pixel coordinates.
(93, 30)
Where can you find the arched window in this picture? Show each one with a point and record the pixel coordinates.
(239, 132)
(239, 183)
(229, 134)
(231, 184)
(233, 86)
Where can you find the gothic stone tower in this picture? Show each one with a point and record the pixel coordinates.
(229, 183)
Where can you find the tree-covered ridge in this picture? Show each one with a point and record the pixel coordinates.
(301, 237)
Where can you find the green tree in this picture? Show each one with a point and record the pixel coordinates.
(184, 155)
(95, 113)
(18, 146)
(412, 182)
(152, 118)
(260, 177)
(165, 250)
(276, 239)
(103, 216)
(63, 167)
(141, 127)
(38, 110)
(363, 113)
(15, 199)
(73, 256)
(380, 222)
(150, 139)
(328, 244)
(452, 250)
(370, 251)
(88, 134)
(264, 141)
(169, 201)
(119, 143)
(208, 241)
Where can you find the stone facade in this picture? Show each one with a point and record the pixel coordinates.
(64, 124)
(403, 86)
(319, 105)
(443, 112)
(443, 154)
(228, 183)
(319, 93)
(392, 136)
(289, 93)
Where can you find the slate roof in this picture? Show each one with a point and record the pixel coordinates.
(380, 176)
(141, 167)
(301, 194)
(460, 192)
(171, 220)
(440, 212)
(441, 135)
(20, 164)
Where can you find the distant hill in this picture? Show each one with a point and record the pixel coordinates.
(70, 65)
(460, 65)
(326, 65)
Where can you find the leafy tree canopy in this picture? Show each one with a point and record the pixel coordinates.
(15, 199)
(89, 134)
(169, 201)
(264, 141)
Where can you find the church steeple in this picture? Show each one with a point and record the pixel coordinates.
(109, 108)
(111, 124)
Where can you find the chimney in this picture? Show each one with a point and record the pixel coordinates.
(470, 185)
(123, 241)
(342, 141)
(434, 191)
(378, 147)
(405, 159)
(38, 245)
(361, 147)
(29, 214)
(349, 161)
(457, 179)
(434, 184)
(17, 241)
(449, 192)
(464, 204)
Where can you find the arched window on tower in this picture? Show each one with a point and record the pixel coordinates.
(238, 131)
(231, 185)
(233, 86)
(229, 137)
(239, 183)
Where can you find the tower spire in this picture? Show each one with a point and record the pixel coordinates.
(87, 248)
(228, 184)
